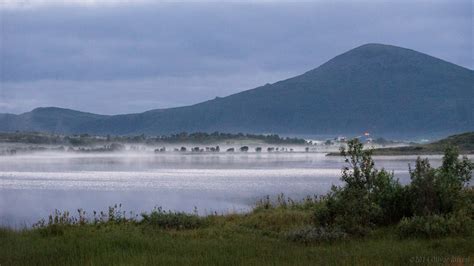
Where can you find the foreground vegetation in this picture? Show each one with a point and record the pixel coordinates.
(371, 219)
(251, 239)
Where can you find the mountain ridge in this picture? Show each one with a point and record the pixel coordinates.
(371, 87)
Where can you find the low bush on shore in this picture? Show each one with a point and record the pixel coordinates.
(171, 220)
(370, 198)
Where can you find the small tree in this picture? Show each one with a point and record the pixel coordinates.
(359, 172)
(422, 188)
(368, 196)
(440, 191)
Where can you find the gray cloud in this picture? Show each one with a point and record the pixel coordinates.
(150, 55)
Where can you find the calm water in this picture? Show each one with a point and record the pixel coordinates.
(32, 186)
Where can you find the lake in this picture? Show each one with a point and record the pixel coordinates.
(33, 186)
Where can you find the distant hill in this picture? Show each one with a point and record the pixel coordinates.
(48, 119)
(378, 88)
(464, 142)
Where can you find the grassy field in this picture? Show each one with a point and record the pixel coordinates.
(256, 238)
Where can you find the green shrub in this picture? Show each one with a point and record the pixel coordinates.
(308, 235)
(368, 197)
(467, 201)
(391, 198)
(348, 209)
(323, 214)
(435, 225)
(371, 197)
(441, 190)
(171, 220)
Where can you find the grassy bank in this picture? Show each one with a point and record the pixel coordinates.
(464, 143)
(256, 238)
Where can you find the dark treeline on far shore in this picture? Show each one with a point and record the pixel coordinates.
(184, 137)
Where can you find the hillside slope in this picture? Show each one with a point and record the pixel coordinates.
(464, 142)
(47, 119)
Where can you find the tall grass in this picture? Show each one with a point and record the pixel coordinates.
(280, 235)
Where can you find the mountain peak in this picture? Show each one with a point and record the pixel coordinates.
(49, 108)
(377, 45)
(372, 50)
(374, 57)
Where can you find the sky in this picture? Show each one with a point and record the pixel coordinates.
(113, 57)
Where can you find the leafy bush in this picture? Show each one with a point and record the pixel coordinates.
(324, 215)
(309, 235)
(349, 210)
(368, 197)
(371, 197)
(467, 201)
(440, 191)
(391, 198)
(435, 225)
(171, 220)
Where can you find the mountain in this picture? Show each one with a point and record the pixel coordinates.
(47, 119)
(374, 87)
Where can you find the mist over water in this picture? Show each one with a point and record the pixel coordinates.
(33, 186)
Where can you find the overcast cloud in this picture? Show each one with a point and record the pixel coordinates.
(120, 56)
